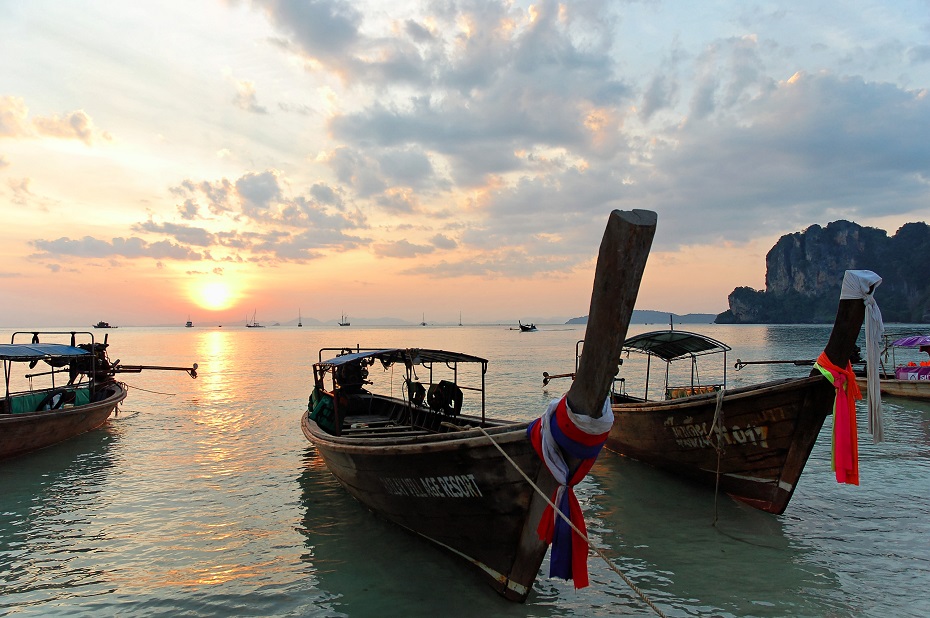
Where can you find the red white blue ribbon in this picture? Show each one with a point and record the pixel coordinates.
(557, 433)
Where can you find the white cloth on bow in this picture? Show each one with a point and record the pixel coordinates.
(861, 284)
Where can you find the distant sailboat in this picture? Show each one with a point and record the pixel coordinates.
(254, 323)
(423, 323)
(344, 321)
(460, 318)
(189, 323)
(299, 322)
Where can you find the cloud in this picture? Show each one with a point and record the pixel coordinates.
(23, 195)
(258, 192)
(660, 94)
(246, 98)
(813, 146)
(220, 195)
(919, 54)
(132, 247)
(327, 30)
(257, 218)
(14, 118)
(74, 125)
(506, 264)
(15, 123)
(441, 241)
(400, 249)
(188, 210)
(184, 234)
(524, 125)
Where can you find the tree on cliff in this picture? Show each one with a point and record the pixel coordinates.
(804, 269)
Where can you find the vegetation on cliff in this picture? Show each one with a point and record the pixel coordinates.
(804, 271)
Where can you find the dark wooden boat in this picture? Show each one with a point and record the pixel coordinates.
(34, 419)
(80, 395)
(429, 469)
(526, 328)
(754, 441)
(103, 324)
(425, 460)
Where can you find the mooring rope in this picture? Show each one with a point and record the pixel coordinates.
(138, 388)
(565, 517)
(717, 424)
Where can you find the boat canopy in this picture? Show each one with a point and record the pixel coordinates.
(913, 341)
(671, 345)
(388, 356)
(38, 351)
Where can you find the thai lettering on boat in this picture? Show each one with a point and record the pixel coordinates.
(461, 486)
(692, 435)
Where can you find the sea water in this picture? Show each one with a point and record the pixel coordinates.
(203, 498)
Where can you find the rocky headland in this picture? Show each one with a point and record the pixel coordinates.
(804, 270)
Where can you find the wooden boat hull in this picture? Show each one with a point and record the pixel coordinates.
(30, 431)
(455, 489)
(769, 432)
(907, 389)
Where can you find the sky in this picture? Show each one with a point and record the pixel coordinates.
(422, 160)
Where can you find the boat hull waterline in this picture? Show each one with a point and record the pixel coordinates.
(767, 434)
(30, 431)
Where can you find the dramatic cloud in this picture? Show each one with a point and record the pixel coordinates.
(459, 138)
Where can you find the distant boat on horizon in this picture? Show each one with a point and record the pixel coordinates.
(254, 323)
(344, 321)
(299, 322)
(103, 324)
(189, 323)
(423, 323)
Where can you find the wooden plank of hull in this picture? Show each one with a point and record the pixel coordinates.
(908, 389)
(26, 432)
(770, 431)
(456, 490)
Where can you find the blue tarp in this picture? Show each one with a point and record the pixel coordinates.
(34, 351)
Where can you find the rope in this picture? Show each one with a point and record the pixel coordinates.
(148, 391)
(717, 424)
(565, 517)
(718, 446)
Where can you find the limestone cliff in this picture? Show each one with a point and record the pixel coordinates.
(804, 271)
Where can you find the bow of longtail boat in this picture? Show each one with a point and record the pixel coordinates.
(423, 453)
(754, 442)
(455, 489)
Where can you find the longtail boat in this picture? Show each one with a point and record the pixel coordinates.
(79, 393)
(752, 442)
(903, 378)
(423, 457)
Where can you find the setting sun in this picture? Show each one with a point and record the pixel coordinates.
(214, 296)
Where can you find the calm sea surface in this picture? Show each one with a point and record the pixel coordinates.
(202, 498)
